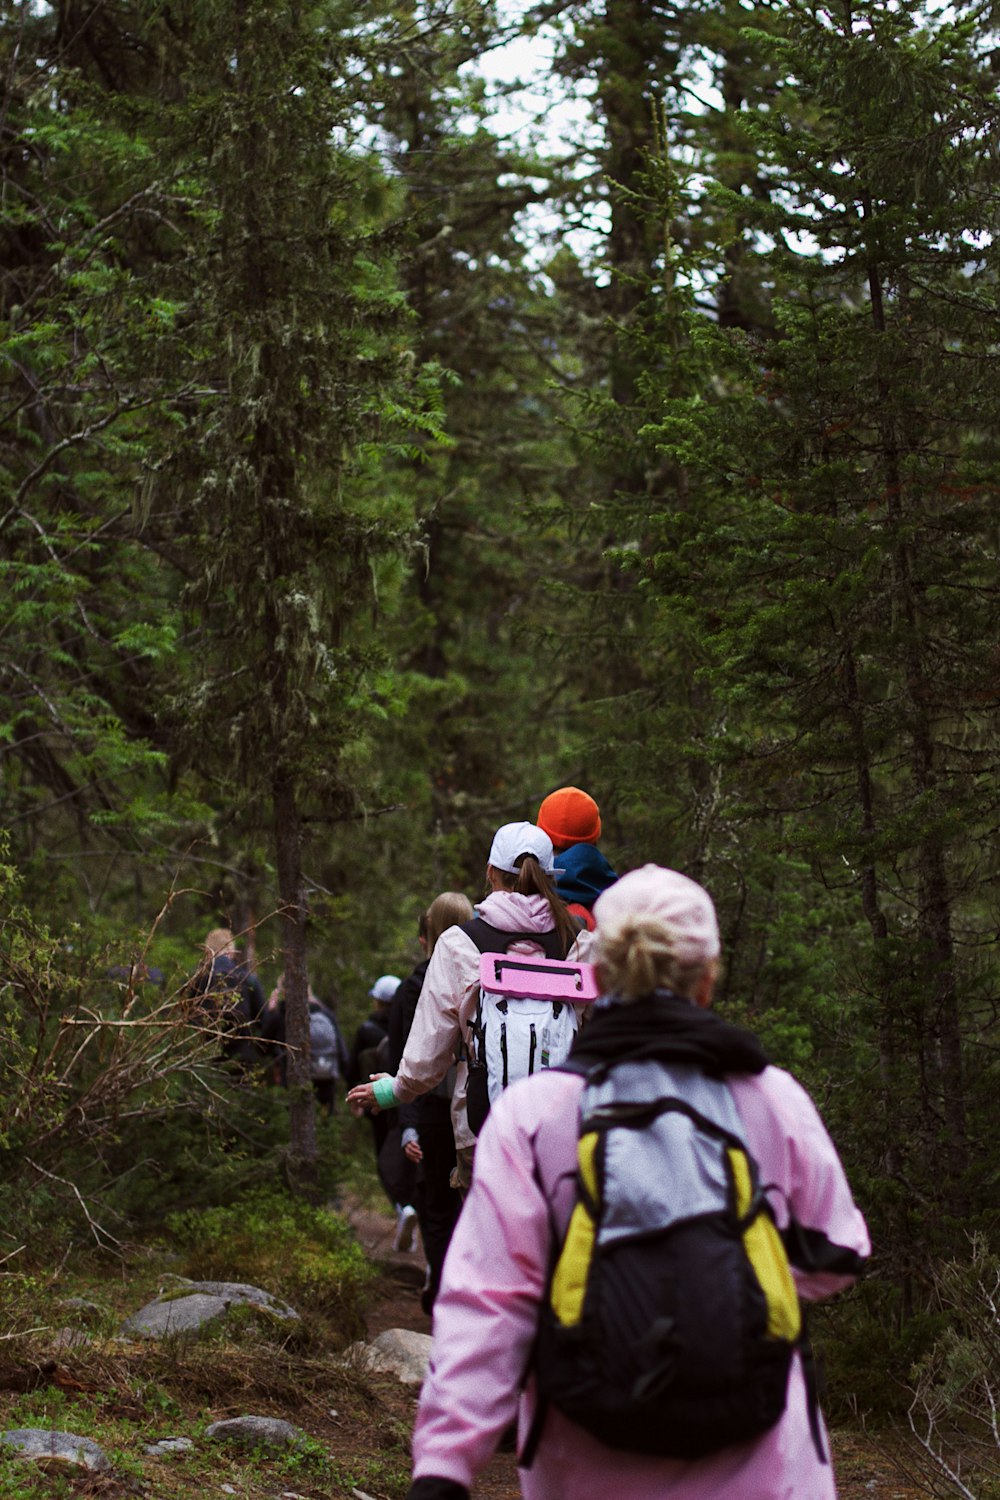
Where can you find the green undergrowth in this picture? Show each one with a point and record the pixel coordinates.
(301, 1252)
(129, 1403)
(125, 1394)
(311, 1469)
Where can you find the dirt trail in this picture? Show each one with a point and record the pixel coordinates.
(864, 1469)
(397, 1305)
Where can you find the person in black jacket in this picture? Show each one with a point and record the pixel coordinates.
(372, 1031)
(229, 996)
(368, 1053)
(427, 1135)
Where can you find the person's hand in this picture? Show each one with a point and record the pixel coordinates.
(361, 1098)
(362, 1095)
(412, 1151)
(431, 1487)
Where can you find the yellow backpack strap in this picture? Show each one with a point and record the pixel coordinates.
(765, 1252)
(569, 1280)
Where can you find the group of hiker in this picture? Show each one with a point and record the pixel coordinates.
(624, 1205)
(648, 1202)
(226, 994)
(425, 1156)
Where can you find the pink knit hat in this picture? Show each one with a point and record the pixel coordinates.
(671, 900)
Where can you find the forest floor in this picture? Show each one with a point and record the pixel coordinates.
(358, 1425)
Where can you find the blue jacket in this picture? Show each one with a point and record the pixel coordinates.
(586, 873)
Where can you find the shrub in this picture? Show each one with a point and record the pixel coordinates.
(303, 1253)
(956, 1388)
(114, 1108)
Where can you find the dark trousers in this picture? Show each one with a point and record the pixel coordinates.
(397, 1172)
(325, 1090)
(437, 1202)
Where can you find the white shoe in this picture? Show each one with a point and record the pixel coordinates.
(406, 1227)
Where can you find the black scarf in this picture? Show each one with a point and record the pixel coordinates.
(667, 1028)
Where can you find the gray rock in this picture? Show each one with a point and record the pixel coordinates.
(62, 1447)
(169, 1445)
(183, 1315)
(82, 1305)
(399, 1352)
(187, 1306)
(240, 1291)
(256, 1432)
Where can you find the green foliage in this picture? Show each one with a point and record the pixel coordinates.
(953, 1388)
(813, 595)
(302, 347)
(868, 1341)
(20, 1296)
(114, 1107)
(470, 621)
(303, 1253)
(82, 401)
(22, 1481)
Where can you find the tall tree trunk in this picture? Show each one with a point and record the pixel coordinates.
(628, 113)
(303, 1149)
(884, 979)
(940, 1040)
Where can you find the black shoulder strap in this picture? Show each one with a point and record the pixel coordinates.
(491, 940)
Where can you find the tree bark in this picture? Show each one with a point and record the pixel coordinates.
(302, 1146)
(940, 1039)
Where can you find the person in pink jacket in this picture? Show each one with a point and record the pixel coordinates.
(522, 902)
(657, 949)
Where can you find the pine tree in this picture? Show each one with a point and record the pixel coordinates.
(295, 326)
(833, 567)
(493, 545)
(80, 217)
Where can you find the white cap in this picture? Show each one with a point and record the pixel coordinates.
(514, 840)
(384, 988)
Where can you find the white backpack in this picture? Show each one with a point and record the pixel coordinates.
(527, 1015)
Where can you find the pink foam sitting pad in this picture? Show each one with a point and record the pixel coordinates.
(524, 978)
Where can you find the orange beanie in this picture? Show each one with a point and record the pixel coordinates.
(569, 816)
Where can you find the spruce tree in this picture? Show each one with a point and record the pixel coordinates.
(81, 219)
(832, 565)
(488, 694)
(295, 327)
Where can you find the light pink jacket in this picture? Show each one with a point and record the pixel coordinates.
(494, 1277)
(448, 1000)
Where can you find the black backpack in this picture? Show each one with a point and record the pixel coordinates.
(227, 998)
(670, 1315)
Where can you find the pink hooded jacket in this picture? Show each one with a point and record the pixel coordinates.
(494, 1278)
(448, 1000)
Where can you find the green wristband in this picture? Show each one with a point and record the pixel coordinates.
(385, 1094)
